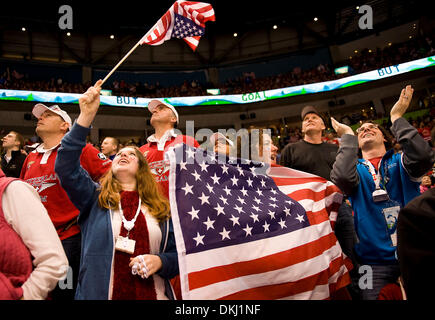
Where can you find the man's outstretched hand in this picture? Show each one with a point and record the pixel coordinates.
(402, 104)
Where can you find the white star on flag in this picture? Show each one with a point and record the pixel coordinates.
(219, 209)
(300, 218)
(203, 167)
(225, 234)
(235, 220)
(194, 213)
(204, 198)
(215, 179)
(196, 175)
(248, 230)
(187, 189)
(254, 217)
(199, 238)
(209, 223)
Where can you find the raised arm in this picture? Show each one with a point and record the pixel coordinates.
(344, 174)
(74, 179)
(89, 103)
(418, 156)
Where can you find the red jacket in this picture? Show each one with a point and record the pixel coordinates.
(156, 162)
(42, 177)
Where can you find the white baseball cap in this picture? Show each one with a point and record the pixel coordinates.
(155, 102)
(40, 108)
(217, 136)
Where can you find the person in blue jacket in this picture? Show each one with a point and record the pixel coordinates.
(378, 186)
(128, 243)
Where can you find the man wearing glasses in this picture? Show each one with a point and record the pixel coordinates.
(378, 185)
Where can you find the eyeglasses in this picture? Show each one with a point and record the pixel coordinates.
(370, 127)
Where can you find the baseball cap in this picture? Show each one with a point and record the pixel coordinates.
(310, 109)
(155, 102)
(217, 135)
(40, 108)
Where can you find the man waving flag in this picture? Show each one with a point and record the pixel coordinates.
(240, 237)
(184, 20)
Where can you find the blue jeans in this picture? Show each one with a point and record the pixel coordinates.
(381, 276)
(72, 247)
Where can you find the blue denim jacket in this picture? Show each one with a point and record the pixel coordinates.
(96, 226)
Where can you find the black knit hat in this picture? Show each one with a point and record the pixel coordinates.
(310, 109)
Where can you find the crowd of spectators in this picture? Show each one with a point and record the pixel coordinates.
(19, 81)
(392, 54)
(284, 134)
(365, 60)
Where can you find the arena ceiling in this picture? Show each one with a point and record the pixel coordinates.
(337, 22)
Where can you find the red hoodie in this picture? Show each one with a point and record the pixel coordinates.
(156, 162)
(38, 170)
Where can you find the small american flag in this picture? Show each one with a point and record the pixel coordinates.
(184, 20)
(240, 237)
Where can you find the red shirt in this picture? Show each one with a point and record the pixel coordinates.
(156, 162)
(425, 133)
(375, 162)
(38, 170)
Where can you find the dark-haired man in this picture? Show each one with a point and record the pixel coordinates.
(13, 158)
(378, 185)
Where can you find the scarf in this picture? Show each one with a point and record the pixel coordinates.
(127, 286)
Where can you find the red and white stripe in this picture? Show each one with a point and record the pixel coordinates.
(159, 32)
(303, 263)
(319, 197)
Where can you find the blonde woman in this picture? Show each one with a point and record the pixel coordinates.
(128, 245)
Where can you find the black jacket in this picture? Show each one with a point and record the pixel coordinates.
(416, 246)
(13, 167)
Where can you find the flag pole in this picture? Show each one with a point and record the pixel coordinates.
(122, 60)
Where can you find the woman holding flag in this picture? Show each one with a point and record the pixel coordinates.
(128, 242)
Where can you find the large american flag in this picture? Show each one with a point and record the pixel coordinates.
(239, 236)
(184, 20)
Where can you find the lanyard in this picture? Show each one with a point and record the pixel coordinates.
(128, 225)
(375, 175)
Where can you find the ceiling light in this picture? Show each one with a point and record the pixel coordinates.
(315, 19)
(235, 34)
(23, 29)
(275, 27)
(112, 36)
